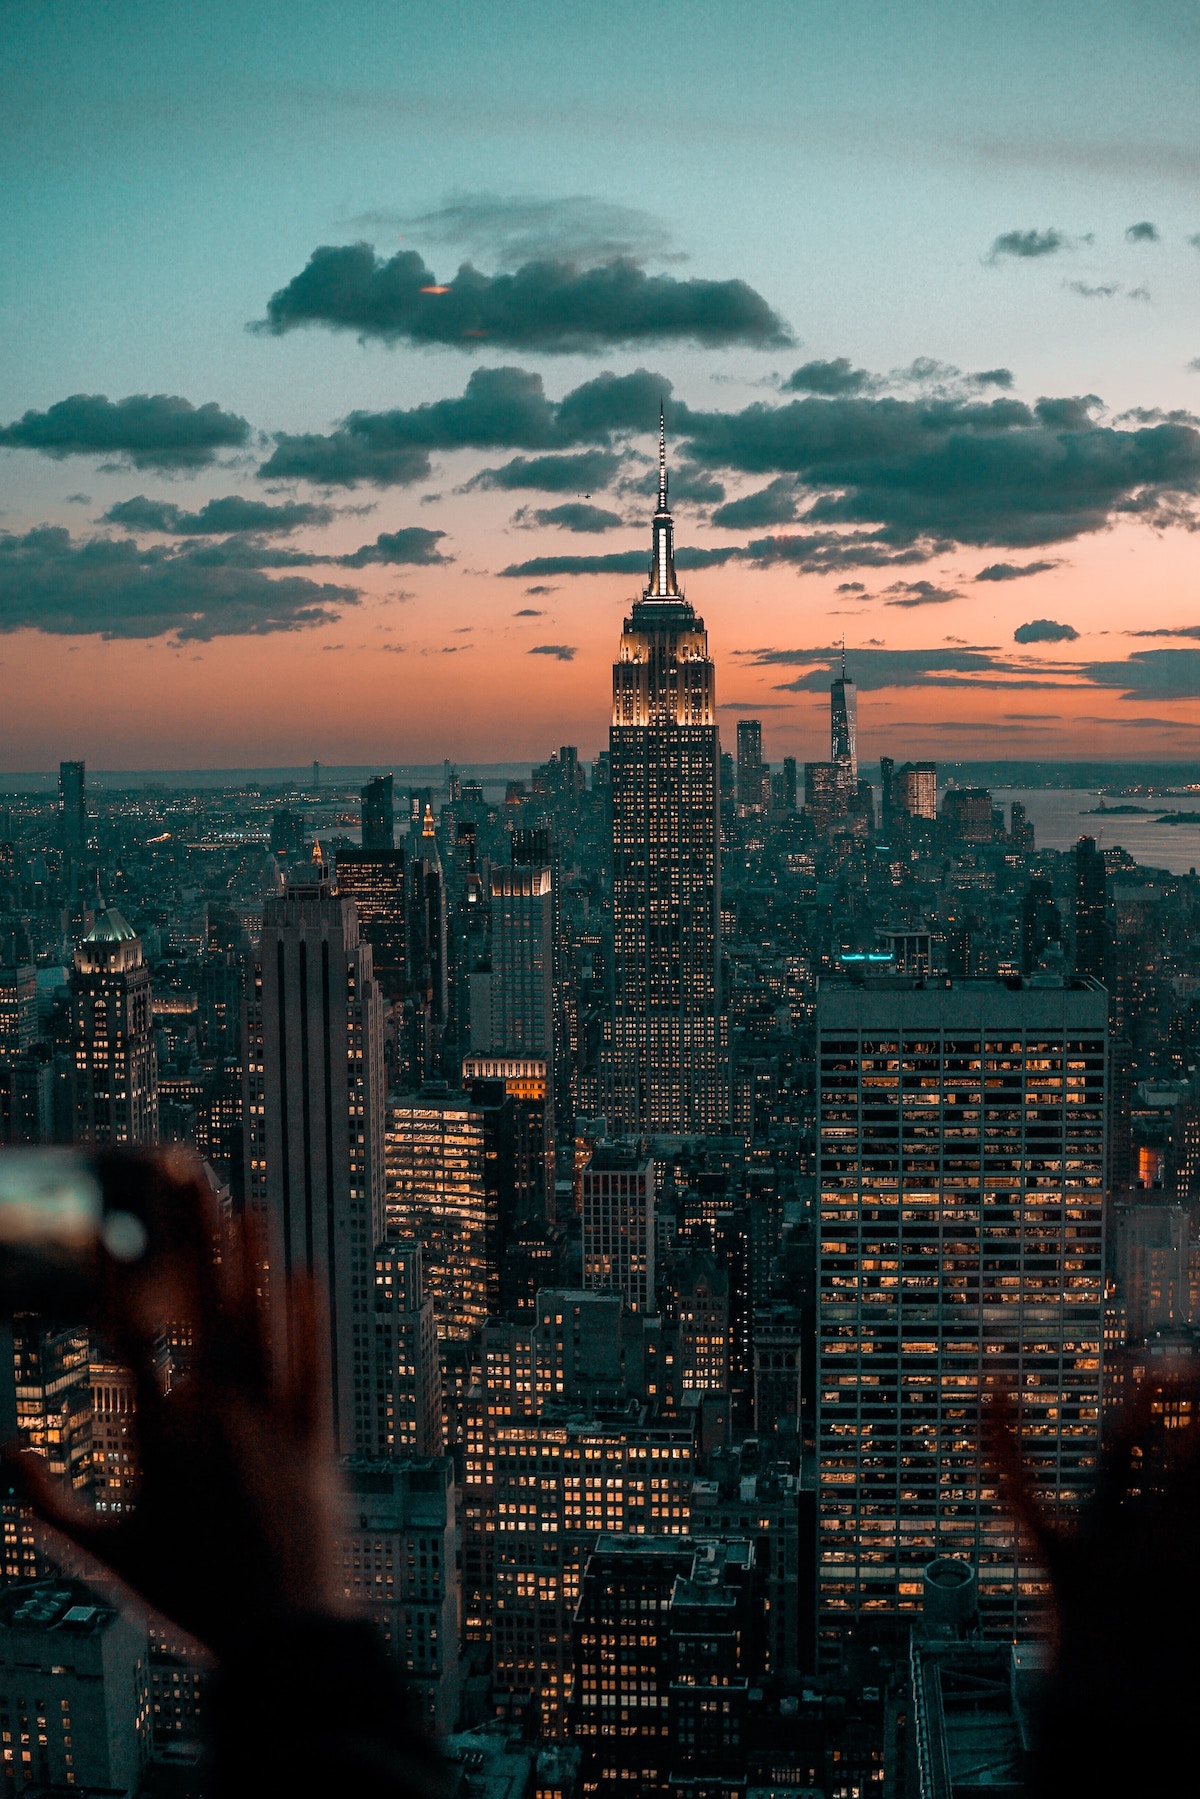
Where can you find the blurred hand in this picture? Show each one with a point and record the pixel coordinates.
(234, 1528)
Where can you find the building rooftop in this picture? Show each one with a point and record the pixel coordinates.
(111, 927)
(59, 1605)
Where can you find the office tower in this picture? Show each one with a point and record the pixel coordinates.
(399, 1551)
(314, 1125)
(1020, 830)
(1041, 923)
(843, 733)
(436, 1193)
(114, 1464)
(699, 1307)
(960, 1178)
(761, 1503)
(1091, 919)
(914, 789)
(822, 800)
(408, 1375)
(789, 784)
(116, 1069)
(72, 805)
(18, 1009)
(54, 1396)
(378, 815)
(522, 992)
(428, 966)
(668, 1049)
(375, 881)
(752, 775)
(74, 1690)
(514, 1093)
(887, 803)
(618, 1224)
(968, 812)
(667, 1648)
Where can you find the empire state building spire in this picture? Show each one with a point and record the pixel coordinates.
(663, 585)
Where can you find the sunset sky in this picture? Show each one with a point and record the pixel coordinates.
(334, 339)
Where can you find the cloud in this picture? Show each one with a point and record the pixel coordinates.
(1176, 631)
(1151, 674)
(974, 471)
(149, 430)
(231, 514)
(564, 652)
(851, 587)
(529, 612)
(921, 593)
(412, 545)
(1142, 233)
(539, 589)
(773, 505)
(991, 378)
(1045, 630)
(1139, 293)
(1013, 571)
(836, 377)
(576, 515)
(111, 587)
(616, 562)
(874, 669)
(1101, 292)
(548, 305)
(508, 230)
(1026, 244)
(582, 473)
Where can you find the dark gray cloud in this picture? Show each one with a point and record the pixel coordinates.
(1142, 233)
(504, 408)
(529, 612)
(1151, 674)
(586, 472)
(510, 229)
(1013, 571)
(851, 587)
(217, 517)
(577, 515)
(616, 562)
(1102, 291)
(547, 305)
(829, 378)
(991, 378)
(564, 652)
(910, 476)
(874, 669)
(412, 545)
(1026, 244)
(921, 593)
(1173, 631)
(969, 471)
(1045, 630)
(772, 505)
(112, 587)
(149, 430)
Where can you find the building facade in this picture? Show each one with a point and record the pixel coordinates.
(618, 1224)
(314, 1109)
(668, 1054)
(116, 1065)
(961, 1181)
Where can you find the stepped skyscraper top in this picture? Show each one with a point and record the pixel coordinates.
(664, 674)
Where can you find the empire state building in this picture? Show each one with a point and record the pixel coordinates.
(668, 1049)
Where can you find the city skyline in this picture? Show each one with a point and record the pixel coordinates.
(932, 391)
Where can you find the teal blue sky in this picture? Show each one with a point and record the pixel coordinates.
(166, 169)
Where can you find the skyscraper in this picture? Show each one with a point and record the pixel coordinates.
(618, 1224)
(315, 1117)
(375, 881)
(72, 805)
(522, 987)
(961, 1180)
(1091, 922)
(843, 733)
(116, 1067)
(378, 815)
(668, 1049)
(751, 774)
(436, 1193)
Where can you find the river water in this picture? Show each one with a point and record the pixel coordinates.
(1059, 816)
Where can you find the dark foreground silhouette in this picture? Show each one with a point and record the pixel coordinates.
(234, 1534)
